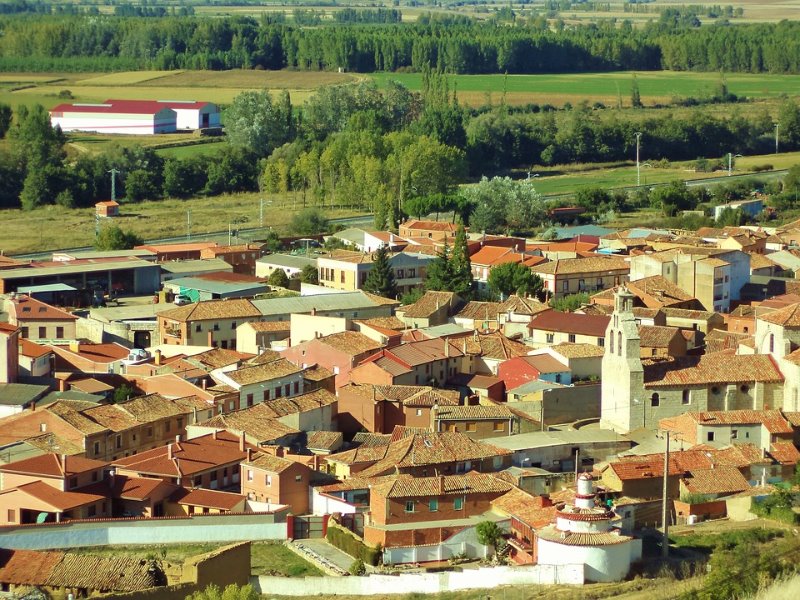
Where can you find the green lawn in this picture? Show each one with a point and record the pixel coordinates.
(191, 151)
(652, 84)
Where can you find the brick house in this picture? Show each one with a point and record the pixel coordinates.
(339, 352)
(575, 275)
(380, 408)
(211, 461)
(433, 230)
(476, 422)
(554, 327)
(263, 382)
(661, 341)
(415, 501)
(276, 480)
(52, 485)
(242, 257)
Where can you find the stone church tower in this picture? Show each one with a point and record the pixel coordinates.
(622, 383)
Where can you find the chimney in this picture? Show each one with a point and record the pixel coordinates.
(546, 500)
(316, 462)
(280, 451)
(249, 454)
(33, 406)
(62, 461)
(447, 348)
(313, 311)
(62, 385)
(441, 485)
(241, 442)
(214, 434)
(157, 357)
(169, 451)
(178, 441)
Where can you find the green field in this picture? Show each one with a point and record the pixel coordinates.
(654, 86)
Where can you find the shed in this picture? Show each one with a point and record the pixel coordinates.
(107, 208)
(193, 115)
(131, 117)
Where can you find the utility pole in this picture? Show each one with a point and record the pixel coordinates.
(261, 213)
(638, 135)
(188, 225)
(114, 172)
(731, 156)
(777, 128)
(664, 504)
(229, 234)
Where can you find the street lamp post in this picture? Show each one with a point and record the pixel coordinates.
(731, 156)
(638, 135)
(777, 128)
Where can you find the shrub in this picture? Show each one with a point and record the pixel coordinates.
(348, 542)
(358, 567)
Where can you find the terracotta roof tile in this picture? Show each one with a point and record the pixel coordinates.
(406, 486)
(269, 462)
(595, 264)
(350, 342)
(788, 316)
(264, 372)
(785, 452)
(534, 511)
(49, 465)
(428, 304)
(324, 440)
(211, 310)
(654, 336)
(568, 350)
(24, 308)
(718, 480)
(553, 320)
(721, 368)
(208, 498)
(478, 412)
(574, 538)
(61, 501)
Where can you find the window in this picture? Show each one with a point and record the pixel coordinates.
(42, 332)
(42, 427)
(266, 395)
(233, 325)
(73, 483)
(601, 342)
(412, 273)
(24, 332)
(744, 388)
(11, 515)
(401, 274)
(96, 448)
(612, 341)
(654, 400)
(224, 344)
(249, 474)
(278, 393)
(714, 390)
(772, 342)
(198, 328)
(119, 441)
(581, 285)
(433, 505)
(341, 276)
(686, 397)
(249, 399)
(458, 504)
(180, 422)
(92, 511)
(296, 387)
(409, 506)
(167, 425)
(499, 426)
(419, 412)
(565, 286)
(149, 432)
(472, 427)
(216, 326)
(268, 480)
(571, 338)
(59, 333)
(287, 389)
(734, 434)
(550, 337)
(710, 436)
(298, 478)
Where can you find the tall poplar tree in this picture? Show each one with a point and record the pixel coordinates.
(461, 282)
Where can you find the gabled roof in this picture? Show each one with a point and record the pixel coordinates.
(257, 422)
(477, 412)
(719, 368)
(53, 465)
(24, 308)
(211, 310)
(523, 306)
(406, 486)
(534, 511)
(493, 346)
(350, 342)
(788, 316)
(58, 500)
(430, 225)
(655, 336)
(717, 480)
(428, 304)
(264, 372)
(207, 498)
(772, 420)
(570, 350)
(269, 462)
(553, 320)
(488, 311)
(571, 266)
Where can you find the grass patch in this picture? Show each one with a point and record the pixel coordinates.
(176, 553)
(654, 86)
(277, 559)
(708, 542)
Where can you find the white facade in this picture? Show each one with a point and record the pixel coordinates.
(104, 120)
(194, 115)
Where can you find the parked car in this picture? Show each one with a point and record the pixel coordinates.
(182, 299)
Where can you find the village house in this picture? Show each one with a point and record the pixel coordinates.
(288, 263)
(276, 480)
(576, 275)
(416, 501)
(488, 257)
(584, 361)
(651, 292)
(210, 323)
(433, 230)
(37, 320)
(339, 353)
(50, 488)
(522, 369)
(348, 270)
(241, 257)
(433, 308)
(478, 422)
(256, 336)
(554, 327)
(379, 408)
(721, 428)
(262, 382)
(210, 462)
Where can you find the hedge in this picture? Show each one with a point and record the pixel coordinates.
(346, 541)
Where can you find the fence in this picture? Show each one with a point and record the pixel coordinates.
(420, 583)
(170, 530)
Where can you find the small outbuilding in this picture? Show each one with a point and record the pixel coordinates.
(193, 115)
(107, 208)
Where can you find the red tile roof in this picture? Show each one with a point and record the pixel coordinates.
(132, 107)
(24, 308)
(50, 465)
(553, 320)
(55, 498)
(208, 498)
(717, 480)
(718, 368)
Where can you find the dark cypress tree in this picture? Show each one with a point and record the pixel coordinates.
(440, 272)
(461, 282)
(380, 280)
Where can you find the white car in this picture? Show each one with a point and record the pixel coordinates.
(136, 356)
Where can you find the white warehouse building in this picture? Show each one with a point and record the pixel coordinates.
(132, 117)
(193, 115)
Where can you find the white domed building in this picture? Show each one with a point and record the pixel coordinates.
(583, 534)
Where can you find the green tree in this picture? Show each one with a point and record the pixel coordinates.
(123, 393)
(380, 280)
(731, 218)
(501, 202)
(114, 237)
(231, 592)
(139, 185)
(256, 122)
(310, 221)
(5, 119)
(358, 568)
(35, 189)
(789, 119)
(440, 271)
(488, 533)
(461, 282)
(278, 278)
(514, 278)
(571, 302)
(636, 98)
(309, 274)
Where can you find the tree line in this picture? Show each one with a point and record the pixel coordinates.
(450, 44)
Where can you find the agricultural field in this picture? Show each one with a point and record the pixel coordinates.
(655, 87)
(220, 87)
(51, 227)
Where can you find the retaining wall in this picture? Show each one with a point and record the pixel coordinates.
(420, 583)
